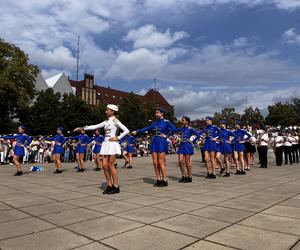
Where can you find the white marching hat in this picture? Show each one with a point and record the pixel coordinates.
(113, 107)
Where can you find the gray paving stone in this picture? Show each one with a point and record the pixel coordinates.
(62, 196)
(146, 200)
(206, 245)
(4, 206)
(88, 201)
(297, 246)
(149, 238)
(192, 225)
(276, 223)
(252, 238)
(147, 214)
(291, 203)
(222, 213)
(103, 227)
(22, 227)
(94, 246)
(244, 205)
(114, 207)
(48, 208)
(27, 202)
(12, 214)
(293, 212)
(58, 239)
(72, 216)
(180, 206)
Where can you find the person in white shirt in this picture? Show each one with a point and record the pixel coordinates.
(287, 147)
(263, 149)
(110, 147)
(295, 147)
(277, 144)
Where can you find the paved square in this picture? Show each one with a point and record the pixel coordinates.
(260, 210)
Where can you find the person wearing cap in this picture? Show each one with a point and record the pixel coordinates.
(83, 141)
(187, 136)
(287, 147)
(225, 148)
(277, 144)
(211, 133)
(159, 145)
(129, 141)
(110, 147)
(263, 141)
(295, 147)
(239, 147)
(98, 139)
(58, 149)
(22, 141)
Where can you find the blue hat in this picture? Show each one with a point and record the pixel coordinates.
(209, 118)
(22, 127)
(60, 129)
(223, 121)
(238, 122)
(162, 110)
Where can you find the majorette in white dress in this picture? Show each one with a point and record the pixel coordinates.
(110, 127)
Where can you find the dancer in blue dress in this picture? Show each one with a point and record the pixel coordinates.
(188, 136)
(22, 141)
(58, 149)
(211, 133)
(159, 145)
(98, 139)
(239, 147)
(129, 149)
(83, 141)
(225, 148)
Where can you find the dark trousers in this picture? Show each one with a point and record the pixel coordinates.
(263, 156)
(279, 155)
(288, 154)
(295, 153)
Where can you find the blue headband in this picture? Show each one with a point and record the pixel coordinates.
(209, 118)
(223, 122)
(60, 129)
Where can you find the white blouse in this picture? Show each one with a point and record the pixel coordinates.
(110, 127)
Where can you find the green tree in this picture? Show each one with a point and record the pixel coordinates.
(282, 114)
(296, 106)
(227, 113)
(17, 78)
(252, 116)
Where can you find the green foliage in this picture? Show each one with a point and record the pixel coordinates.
(252, 117)
(227, 113)
(17, 78)
(283, 114)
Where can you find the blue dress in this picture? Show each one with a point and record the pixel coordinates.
(83, 141)
(59, 142)
(130, 142)
(98, 139)
(22, 140)
(224, 146)
(159, 144)
(239, 140)
(186, 147)
(211, 131)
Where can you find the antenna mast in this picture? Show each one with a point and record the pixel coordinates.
(77, 69)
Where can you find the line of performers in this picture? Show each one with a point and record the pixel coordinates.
(217, 141)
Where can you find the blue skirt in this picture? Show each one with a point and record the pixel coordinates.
(58, 149)
(159, 145)
(81, 149)
(225, 148)
(19, 151)
(239, 147)
(185, 148)
(129, 149)
(210, 146)
(97, 149)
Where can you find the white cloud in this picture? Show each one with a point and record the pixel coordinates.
(148, 37)
(291, 36)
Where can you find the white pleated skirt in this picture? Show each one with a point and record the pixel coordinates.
(110, 148)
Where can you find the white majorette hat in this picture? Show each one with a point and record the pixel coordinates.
(113, 107)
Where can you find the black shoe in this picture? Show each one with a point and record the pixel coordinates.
(114, 190)
(207, 175)
(222, 171)
(157, 183)
(238, 172)
(242, 172)
(19, 173)
(182, 180)
(188, 179)
(163, 183)
(212, 176)
(80, 170)
(129, 167)
(57, 171)
(107, 190)
(97, 169)
(227, 175)
(126, 163)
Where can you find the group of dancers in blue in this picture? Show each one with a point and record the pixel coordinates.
(218, 140)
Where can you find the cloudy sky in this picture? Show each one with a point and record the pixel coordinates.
(206, 54)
